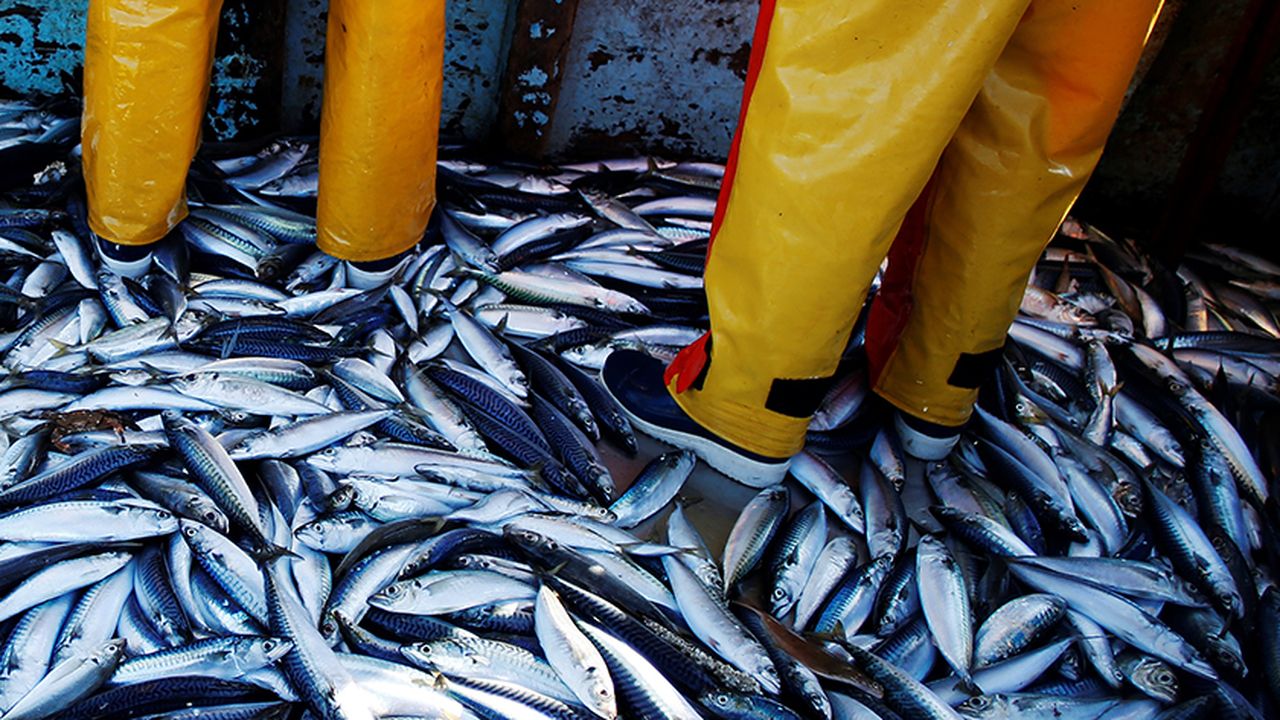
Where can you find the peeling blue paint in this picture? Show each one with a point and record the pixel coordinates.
(539, 31)
(41, 50)
(533, 77)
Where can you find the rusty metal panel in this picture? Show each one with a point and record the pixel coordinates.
(541, 34)
(643, 75)
(476, 35)
(1132, 189)
(244, 95)
(303, 65)
(1152, 134)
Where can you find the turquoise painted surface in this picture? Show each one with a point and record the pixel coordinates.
(42, 44)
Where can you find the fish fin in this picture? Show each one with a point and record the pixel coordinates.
(63, 348)
(967, 685)
(269, 552)
(835, 634)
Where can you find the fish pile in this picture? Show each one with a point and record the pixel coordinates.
(239, 487)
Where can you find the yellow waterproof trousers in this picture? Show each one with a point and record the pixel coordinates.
(849, 109)
(146, 79)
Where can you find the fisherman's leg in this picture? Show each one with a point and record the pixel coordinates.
(1015, 166)
(146, 77)
(379, 126)
(847, 108)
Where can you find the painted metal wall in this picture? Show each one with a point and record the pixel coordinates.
(269, 68)
(626, 76)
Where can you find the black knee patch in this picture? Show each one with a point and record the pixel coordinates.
(706, 365)
(797, 398)
(972, 369)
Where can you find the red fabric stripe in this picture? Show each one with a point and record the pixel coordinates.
(758, 42)
(688, 364)
(893, 303)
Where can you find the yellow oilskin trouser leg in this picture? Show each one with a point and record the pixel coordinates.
(1015, 166)
(146, 78)
(853, 103)
(379, 126)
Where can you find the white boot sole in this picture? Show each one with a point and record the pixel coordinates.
(921, 446)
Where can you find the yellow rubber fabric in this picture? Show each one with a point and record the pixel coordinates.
(1004, 184)
(853, 105)
(146, 78)
(379, 126)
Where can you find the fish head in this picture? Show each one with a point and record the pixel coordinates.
(781, 598)
(268, 649)
(157, 518)
(1226, 656)
(528, 540)
(204, 510)
(109, 653)
(343, 497)
(987, 707)
(392, 596)
(519, 384)
(326, 459)
(237, 418)
(1156, 679)
(173, 419)
(193, 532)
(314, 532)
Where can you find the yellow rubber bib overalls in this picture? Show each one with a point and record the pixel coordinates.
(146, 78)
(850, 108)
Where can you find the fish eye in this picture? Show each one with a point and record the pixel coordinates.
(721, 699)
(268, 645)
(779, 594)
(392, 590)
(189, 531)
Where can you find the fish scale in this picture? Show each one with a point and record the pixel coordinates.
(489, 402)
(217, 474)
(396, 425)
(751, 534)
(77, 472)
(550, 382)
